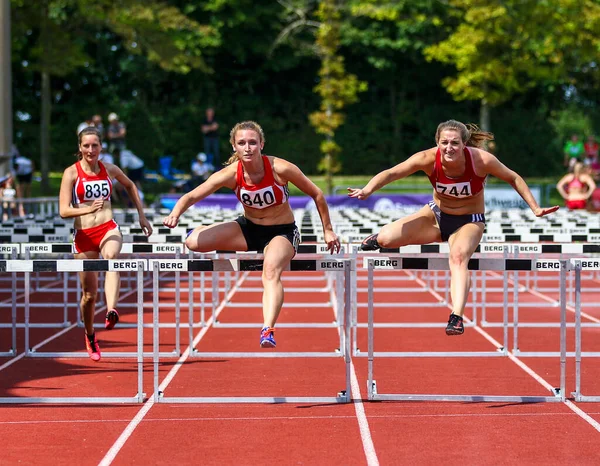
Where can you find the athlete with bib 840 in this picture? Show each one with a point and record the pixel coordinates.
(457, 169)
(260, 182)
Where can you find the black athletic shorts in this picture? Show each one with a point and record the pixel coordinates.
(259, 236)
(25, 178)
(449, 223)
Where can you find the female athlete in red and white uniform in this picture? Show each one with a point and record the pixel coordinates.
(577, 187)
(260, 183)
(457, 168)
(85, 195)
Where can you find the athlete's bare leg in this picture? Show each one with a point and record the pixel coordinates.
(110, 247)
(418, 228)
(463, 243)
(277, 256)
(89, 291)
(226, 236)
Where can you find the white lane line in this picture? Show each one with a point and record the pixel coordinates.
(361, 416)
(135, 422)
(582, 414)
(292, 418)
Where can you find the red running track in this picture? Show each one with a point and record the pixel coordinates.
(361, 432)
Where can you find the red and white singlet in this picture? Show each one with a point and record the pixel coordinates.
(466, 185)
(88, 188)
(267, 193)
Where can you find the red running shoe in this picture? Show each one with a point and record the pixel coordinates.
(111, 319)
(93, 349)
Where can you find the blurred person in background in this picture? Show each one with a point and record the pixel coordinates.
(84, 124)
(133, 166)
(577, 187)
(24, 168)
(115, 133)
(97, 122)
(210, 130)
(573, 152)
(85, 196)
(591, 156)
(201, 170)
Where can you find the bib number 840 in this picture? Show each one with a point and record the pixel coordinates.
(258, 199)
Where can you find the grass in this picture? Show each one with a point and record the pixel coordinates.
(415, 184)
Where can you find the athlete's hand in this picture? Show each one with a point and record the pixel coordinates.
(146, 227)
(333, 242)
(96, 205)
(358, 193)
(171, 221)
(541, 211)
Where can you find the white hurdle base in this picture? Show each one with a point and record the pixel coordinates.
(374, 396)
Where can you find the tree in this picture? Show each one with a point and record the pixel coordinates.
(505, 47)
(60, 30)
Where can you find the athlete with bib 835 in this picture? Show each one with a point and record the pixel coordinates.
(260, 182)
(85, 195)
(457, 169)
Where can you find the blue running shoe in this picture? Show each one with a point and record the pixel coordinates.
(267, 338)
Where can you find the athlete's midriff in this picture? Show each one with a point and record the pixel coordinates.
(95, 218)
(275, 215)
(460, 206)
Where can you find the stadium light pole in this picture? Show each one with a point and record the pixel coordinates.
(6, 123)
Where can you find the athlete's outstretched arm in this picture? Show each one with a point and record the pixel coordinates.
(220, 179)
(494, 167)
(416, 162)
(290, 172)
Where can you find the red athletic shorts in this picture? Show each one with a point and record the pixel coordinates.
(89, 239)
(575, 205)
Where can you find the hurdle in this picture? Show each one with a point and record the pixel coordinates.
(577, 266)
(248, 265)
(558, 394)
(69, 266)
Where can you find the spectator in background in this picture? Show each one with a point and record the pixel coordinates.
(105, 156)
(573, 152)
(133, 166)
(591, 156)
(24, 168)
(577, 187)
(210, 130)
(8, 194)
(115, 133)
(84, 124)
(97, 121)
(201, 169)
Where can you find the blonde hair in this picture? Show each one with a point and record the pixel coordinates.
(470, 134)
(250, 125)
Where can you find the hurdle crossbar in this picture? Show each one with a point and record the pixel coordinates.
(75, 265)
(558, 394)
(248, 265)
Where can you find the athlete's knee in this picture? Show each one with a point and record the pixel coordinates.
(270, 273)
(192, 241)
(88, 297)
(458, 258)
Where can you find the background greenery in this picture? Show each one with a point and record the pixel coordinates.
(528, 69)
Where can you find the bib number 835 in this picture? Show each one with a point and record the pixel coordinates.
(96, 190)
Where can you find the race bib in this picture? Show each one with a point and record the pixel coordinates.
(92, 190)
(259, 199)
(454, 189)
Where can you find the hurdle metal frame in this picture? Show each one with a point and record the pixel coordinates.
(558, 394)
(576, 266)
(78, 265)
(246, 265)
